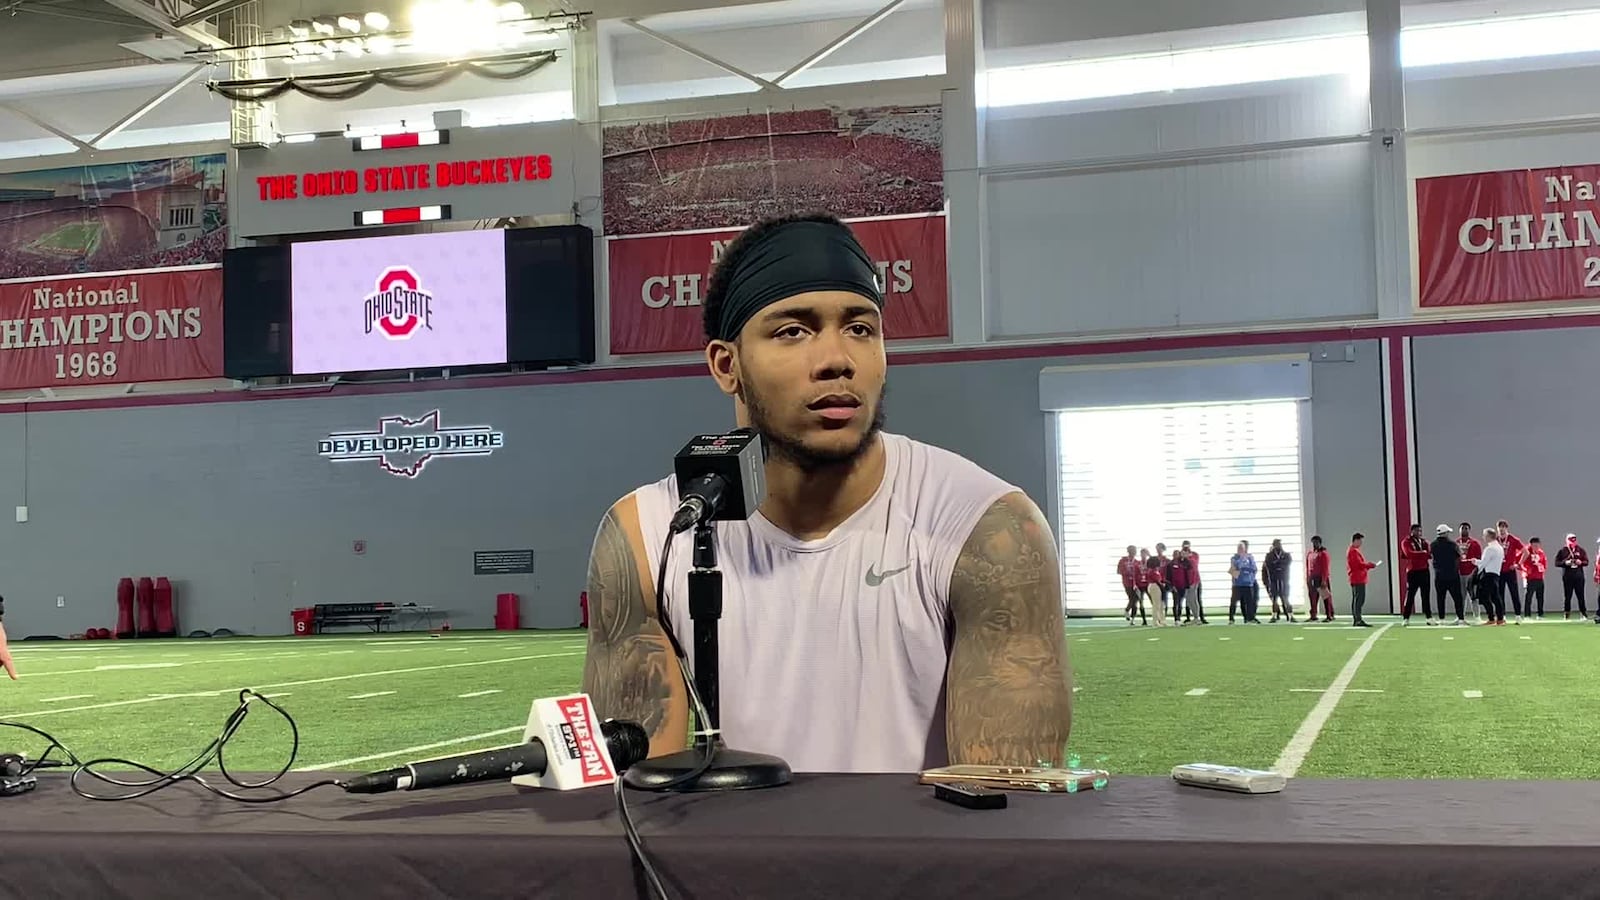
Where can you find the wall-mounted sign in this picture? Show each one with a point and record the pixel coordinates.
(402, 446)
(502, 562)
(1521, 236)
(478, 173)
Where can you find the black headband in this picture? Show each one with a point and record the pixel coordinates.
(794, 258)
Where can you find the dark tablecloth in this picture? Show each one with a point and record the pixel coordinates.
(822, 837)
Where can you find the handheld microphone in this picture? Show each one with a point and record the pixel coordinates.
(562, 749)
(720, 477)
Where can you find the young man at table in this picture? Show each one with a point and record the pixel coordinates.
(891, 606)
(5, 651)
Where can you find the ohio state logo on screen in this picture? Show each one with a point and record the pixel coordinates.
(400, 306)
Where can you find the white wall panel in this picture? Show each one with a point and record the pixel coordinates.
(1443, 97)
(1220, 117)
(1023, 23)
(1281, 237)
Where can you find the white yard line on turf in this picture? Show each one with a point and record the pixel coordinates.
(479, 693)
(283, 684)
(370, 696)
(408, 751)
(1293, 755)
(108, 667)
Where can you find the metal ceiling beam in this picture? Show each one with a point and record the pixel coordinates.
(215, 8)
(34, 118)
(860, 28)
(79, 16)
(148, 13)
(702, 55)
(144, 108)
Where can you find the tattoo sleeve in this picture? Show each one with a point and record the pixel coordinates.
(1009, 691)
(629, 671)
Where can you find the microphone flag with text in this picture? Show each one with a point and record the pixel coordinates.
(565, 746)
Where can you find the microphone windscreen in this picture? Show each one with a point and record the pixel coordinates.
(627, 742)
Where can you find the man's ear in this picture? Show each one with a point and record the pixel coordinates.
(722, 358)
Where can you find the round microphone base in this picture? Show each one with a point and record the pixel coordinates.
(730, 770)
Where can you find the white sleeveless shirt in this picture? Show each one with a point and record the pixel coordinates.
(834, 650)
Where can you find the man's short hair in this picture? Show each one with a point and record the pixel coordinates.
(1357, 536)
(1503, 524)
(717, 290)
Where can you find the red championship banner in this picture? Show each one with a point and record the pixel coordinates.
(658, 283)
(1526, 236)
(156, 325)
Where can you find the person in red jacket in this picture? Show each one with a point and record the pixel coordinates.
(1508, 569)
(1418, 559)
(1533, 565)
(1132, 572)
(1319, 577)
(1358, 569)
(1471, 552)
(1199, 604)
(1182, 577)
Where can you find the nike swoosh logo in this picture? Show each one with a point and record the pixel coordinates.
(874, 579)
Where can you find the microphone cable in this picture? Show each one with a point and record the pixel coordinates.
(188, 772)
(707, 734)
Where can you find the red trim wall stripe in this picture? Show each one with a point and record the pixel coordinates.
(1400, 435)
(901, 358)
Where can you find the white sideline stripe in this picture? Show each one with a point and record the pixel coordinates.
(1472, 695)
(284, 684)
(479, 694)
(61, 699)
(1294, 754)
(1299, 638)
(1152, 639)
(407, 751)
(369, 696)
(1526, 638)
(1224, 639)
(1448, 638)
(195, 662)
(1197, 692)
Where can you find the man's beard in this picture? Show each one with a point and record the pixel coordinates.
(793, 449)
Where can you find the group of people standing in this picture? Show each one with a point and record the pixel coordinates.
(1485, 573)
(1463, 569)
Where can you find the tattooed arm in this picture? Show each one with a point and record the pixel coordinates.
(1009, 691)
(629, 671)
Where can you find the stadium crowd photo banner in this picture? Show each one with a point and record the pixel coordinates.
(338, 183)
(658, 282)
(678, 190)
(1522, 236)
(114, 217)
(116, 328)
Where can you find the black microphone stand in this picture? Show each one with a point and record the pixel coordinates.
(729, 769)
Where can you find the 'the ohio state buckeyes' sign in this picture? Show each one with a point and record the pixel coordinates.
(658, 282)
(474, 173)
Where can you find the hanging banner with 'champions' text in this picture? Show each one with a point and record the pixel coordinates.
(658, 282)
(156, 325)
(1524, 236)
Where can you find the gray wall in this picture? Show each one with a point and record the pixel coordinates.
(231, 501)
(1505, 430)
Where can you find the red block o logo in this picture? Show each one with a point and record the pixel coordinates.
(402, 327)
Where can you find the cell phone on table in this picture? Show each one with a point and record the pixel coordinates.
(1018, 778)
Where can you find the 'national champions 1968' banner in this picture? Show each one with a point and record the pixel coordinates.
(1524, 236)
(658, 282)
(156, 325)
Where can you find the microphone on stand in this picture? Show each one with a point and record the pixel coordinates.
(721, 477)
(565, 747)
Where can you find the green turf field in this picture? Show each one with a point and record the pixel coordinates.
(73, 238)
(1147, 698)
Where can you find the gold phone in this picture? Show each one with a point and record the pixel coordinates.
(1019, 778)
